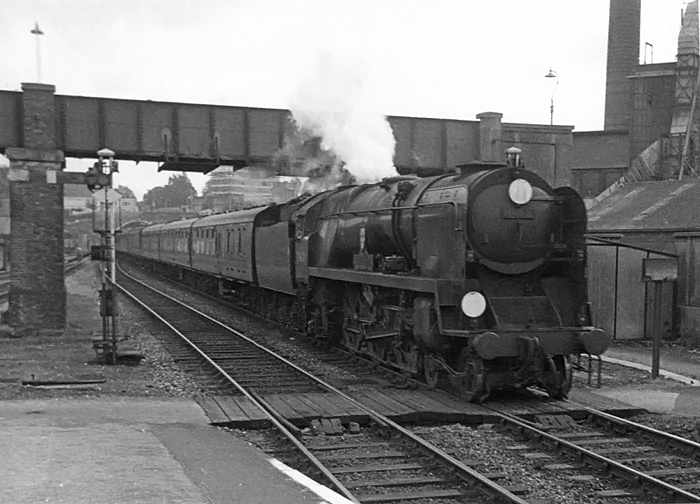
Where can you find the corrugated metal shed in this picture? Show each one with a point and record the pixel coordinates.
(667, 206)
(641, 221)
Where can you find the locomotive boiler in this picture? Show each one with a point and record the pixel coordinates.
(475, 278)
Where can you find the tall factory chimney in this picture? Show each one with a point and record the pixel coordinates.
(623, 57)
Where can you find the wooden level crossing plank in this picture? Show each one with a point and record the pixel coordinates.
(322, 402)
(284, 409)
(473, 413)
(384, 405)
(428, 408)
(232, 410)
(354, 413)
(243, 413)
(370, 403)
(213, 411)
(304, 408)
(513, 408)
(389, 397)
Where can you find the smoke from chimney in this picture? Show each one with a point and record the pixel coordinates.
(332, 104)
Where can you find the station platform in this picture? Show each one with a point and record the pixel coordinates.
(154, 450)
(145, 450)
(131, 450)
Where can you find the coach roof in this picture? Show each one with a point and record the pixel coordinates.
(230, 218)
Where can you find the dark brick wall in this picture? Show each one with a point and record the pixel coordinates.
(37, 289)
(599, 158)
(546, 149)
(623, 57)
(38, 116)
(600, 149)
(654, 98)
(37, 297)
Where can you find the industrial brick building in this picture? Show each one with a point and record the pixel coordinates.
(645, 103)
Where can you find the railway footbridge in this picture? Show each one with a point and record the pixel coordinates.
(40, 129)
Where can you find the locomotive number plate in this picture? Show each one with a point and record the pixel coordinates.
(517, 213)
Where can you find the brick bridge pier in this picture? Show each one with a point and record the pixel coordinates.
(37, 296)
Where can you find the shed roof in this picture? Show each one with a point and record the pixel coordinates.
(669, 205)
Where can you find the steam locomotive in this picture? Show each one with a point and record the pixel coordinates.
(476, 278)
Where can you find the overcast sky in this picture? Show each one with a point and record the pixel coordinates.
(432, 58)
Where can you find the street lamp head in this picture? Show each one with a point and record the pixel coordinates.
(36, 30)
(552, 74)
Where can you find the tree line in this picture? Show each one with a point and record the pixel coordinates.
(176, 193)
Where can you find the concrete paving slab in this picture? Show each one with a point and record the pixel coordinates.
(132, 450)
(105, 463)
(88, 411)
(637, 361)
(681, 401)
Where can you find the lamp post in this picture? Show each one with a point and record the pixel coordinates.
(550, 75)
(36, 31)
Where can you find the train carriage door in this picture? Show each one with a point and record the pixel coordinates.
(218, 255)
(188, 245)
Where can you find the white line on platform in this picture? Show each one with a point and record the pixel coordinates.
(324, 492)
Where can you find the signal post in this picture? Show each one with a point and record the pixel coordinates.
(99, 180)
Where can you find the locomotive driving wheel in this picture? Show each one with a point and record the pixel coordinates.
(377, 351)
(471, 382)
(558, 378)
(431, 371)
(352, 329)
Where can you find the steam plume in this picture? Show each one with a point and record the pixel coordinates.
(332, 104)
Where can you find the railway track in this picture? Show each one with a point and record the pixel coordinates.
(205, 343)
(344, 368)
(642, 459)
(384, 464)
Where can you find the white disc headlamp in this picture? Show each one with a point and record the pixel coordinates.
(473, 304)
(520, 191)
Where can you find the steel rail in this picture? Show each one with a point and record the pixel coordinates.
(289, 435)
(633, 475)
(390, 373)
(492, 489)
(687, 445)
